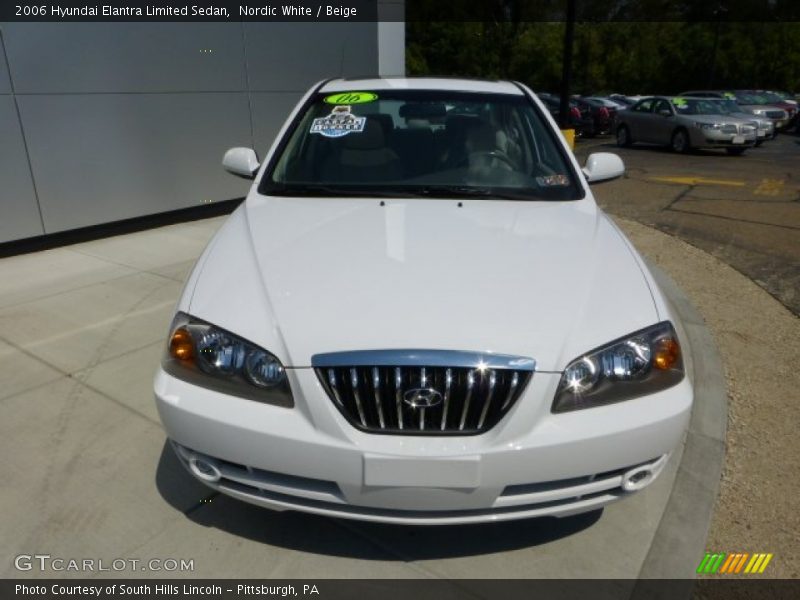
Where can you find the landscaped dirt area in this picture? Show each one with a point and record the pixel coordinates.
(758, 509)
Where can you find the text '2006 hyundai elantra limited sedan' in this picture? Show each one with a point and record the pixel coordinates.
(420, 315)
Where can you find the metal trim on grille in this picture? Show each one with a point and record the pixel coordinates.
(430, 358)
(423, 392)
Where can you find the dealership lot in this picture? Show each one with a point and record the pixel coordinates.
(90, 476)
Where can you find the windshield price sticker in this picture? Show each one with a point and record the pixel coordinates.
(679, 101)
(351, 98)
(340, 122)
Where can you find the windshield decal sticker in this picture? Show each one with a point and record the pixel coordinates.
(552, 180)
(351, 98)
(340, 122)
(679, 101)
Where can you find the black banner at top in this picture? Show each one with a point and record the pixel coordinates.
(418, 11)
(195, 10)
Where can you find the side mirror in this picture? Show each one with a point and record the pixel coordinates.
(241, 161)
(602, 166)
(665, 112)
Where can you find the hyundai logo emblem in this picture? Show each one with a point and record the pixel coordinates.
(422, 398)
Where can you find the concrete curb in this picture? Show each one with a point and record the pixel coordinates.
(680, 538)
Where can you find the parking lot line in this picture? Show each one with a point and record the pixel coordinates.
(769, 187)
(698, 181)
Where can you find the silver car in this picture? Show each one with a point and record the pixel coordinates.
(683, 124)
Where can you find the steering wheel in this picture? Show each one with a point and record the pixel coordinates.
(494, 154)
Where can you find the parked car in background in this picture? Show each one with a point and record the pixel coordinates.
(790, 106)
(580, 119)
(509, 354)
(608, 102)
(785, 96)
(626, 100)
(759, 104)
(603, 116)
(749, 103)
(683, 124)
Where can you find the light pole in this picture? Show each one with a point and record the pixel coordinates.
(566, 67)
(718, 12)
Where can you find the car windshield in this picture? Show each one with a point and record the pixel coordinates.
(604, 102)
(727, 107)
(748, 98)
(771, 97)
(411, 143)
(696, 106)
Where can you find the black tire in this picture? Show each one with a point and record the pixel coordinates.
(624, 136)
(680, 141)
(735, 151)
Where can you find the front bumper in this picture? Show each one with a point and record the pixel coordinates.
(533, 463)
(709, 138)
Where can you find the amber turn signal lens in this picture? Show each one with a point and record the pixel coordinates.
(668, 351)
(181, 346)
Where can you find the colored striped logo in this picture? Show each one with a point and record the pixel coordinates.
(736, 562)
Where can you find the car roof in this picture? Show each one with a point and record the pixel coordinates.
(423, 83)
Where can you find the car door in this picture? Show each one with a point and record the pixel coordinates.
(639, 117)
(663, 121)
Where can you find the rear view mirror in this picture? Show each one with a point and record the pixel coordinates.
(241, 161)
(602, 166)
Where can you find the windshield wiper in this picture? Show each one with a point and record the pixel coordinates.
(446, 191)
(464, 191)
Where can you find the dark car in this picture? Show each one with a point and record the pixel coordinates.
(580, 119)
(604, 116)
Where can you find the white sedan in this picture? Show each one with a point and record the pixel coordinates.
(420, 315)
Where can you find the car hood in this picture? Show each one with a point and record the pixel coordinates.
(713, 119)
(750, 118)
(301, 276)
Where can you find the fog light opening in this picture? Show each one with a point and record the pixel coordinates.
(636, 479)
(204, 468)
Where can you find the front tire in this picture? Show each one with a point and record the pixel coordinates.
(623, 136)
(680, 141)
(735, 151)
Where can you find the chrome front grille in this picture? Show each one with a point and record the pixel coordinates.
(729, 128)
(422, 392)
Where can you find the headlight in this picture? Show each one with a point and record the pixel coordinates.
(641, 363)
(210, 357)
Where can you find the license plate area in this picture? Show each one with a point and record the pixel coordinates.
(738, 139)
(399, 471)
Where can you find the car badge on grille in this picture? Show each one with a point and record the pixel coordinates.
(422, 398)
